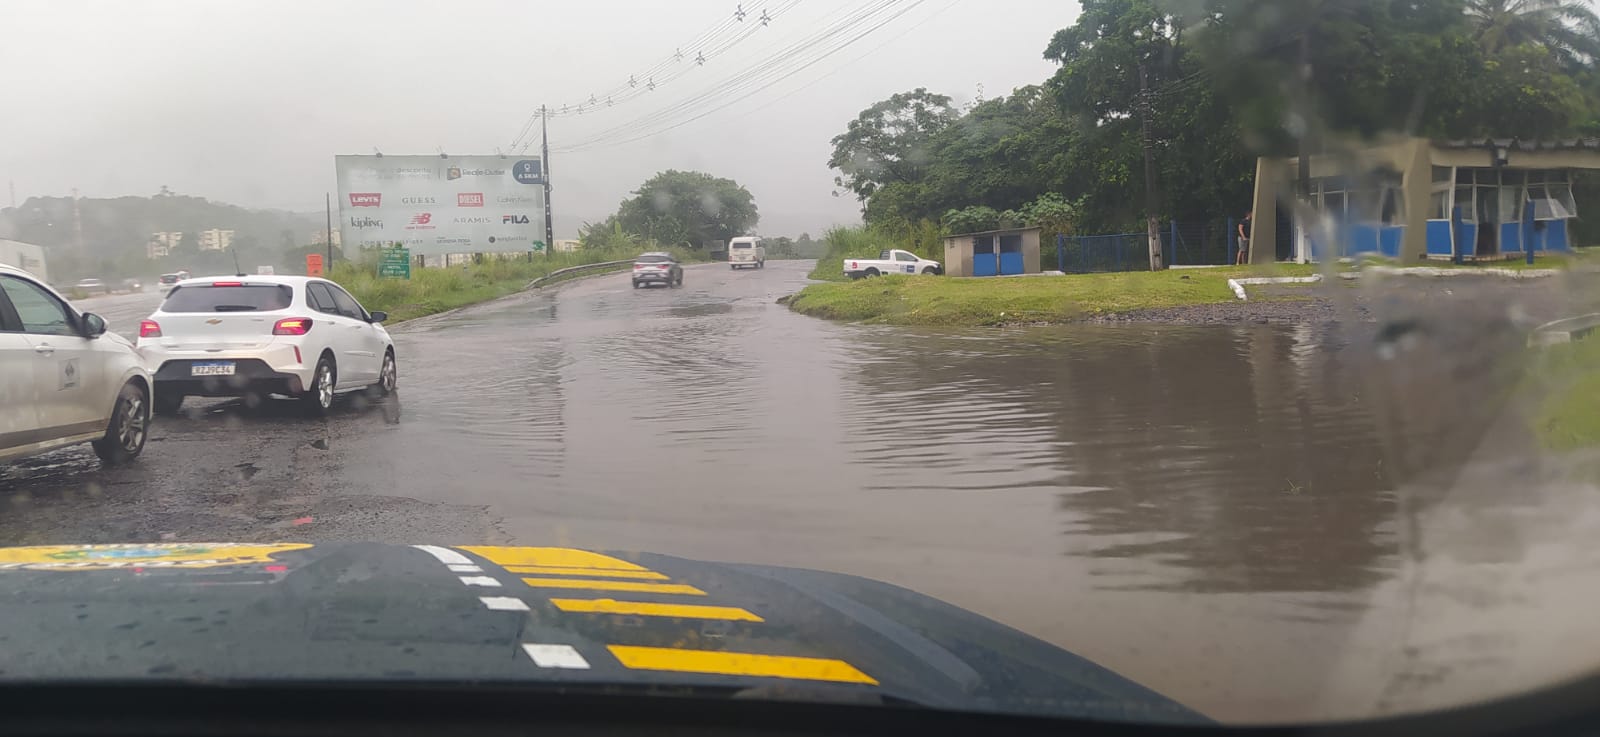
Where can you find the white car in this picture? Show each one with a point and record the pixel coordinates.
(63, 379)
(892, 261)
(233, 336)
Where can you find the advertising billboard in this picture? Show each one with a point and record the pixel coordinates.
(435, 205)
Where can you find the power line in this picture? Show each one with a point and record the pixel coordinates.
(694, 45)
(774, 70)
(837, 22)
(852, 62)
(709, 44)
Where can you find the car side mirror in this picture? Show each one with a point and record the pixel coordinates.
(94, 325)
(378, 316)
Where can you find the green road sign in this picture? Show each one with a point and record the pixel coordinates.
(394, 263)
(538, 246)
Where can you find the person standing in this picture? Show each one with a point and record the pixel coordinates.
(1244, 240)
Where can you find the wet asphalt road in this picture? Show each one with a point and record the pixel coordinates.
(1226, 514)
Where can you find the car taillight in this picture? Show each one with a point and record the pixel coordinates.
(149, 329)
(292, 326)
(637, 267)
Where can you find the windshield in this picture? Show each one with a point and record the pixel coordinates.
(240, 298)
(1137, 360)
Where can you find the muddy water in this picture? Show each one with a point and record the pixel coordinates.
(1267, 522)
(1234, 515)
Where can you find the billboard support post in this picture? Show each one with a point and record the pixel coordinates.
(327, 202)
(544, 150)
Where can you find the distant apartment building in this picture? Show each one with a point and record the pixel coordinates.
(563, 244)
(215, 239)
(161, 243)
(320, 238)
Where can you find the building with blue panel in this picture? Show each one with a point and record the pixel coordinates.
(992, 253)
(1396, 198)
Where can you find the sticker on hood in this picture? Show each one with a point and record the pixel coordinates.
(153, 555)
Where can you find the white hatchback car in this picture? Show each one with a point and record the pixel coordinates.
(240, 335)
(63, 379)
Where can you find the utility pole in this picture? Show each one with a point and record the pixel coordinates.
(1303, 161)
(1152, 225)
(544, 161)
(327, 205)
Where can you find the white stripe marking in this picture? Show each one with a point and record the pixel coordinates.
(459, 568)
(504, 603)
(445, 555)
(488, 581)
(555, 656)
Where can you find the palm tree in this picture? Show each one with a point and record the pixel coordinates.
(1568, 28)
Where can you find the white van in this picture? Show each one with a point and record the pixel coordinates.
(747, 251)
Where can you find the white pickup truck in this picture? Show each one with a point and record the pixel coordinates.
(893, 261)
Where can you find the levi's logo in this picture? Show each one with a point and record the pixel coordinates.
(366, 199)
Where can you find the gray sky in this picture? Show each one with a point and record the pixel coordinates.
(247, 103)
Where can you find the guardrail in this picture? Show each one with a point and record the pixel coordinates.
(574, 269)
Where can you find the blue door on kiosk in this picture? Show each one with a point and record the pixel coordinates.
(984, 260)
(1011, 254)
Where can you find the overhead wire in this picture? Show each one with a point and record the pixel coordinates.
(775, 69)
(834, 23)
(709, 44)
(652, 82)
(852, 62)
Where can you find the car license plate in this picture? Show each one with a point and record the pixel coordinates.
(211, 368)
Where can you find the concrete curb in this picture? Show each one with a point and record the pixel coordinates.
(1238, 285)
(1564, 330)
(1436, 271)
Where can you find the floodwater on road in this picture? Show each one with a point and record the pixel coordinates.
(1265, 521)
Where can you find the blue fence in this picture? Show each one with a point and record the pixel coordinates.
(1184, 244)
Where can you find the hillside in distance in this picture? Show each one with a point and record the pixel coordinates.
(107, 237)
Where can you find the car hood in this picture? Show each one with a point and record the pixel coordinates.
(535, 615)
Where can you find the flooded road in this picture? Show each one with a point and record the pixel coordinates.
(1266, 521)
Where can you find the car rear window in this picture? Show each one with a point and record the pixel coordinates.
(229, 298)
(654, 260)
(743, 245)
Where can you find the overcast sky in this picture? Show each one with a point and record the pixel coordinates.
(247, 103)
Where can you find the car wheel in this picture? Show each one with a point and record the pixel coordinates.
(636, 285)
(870, 272)
(930, 271)
(168, 403)
(388, 376)
(130, 424)
(319, 398)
